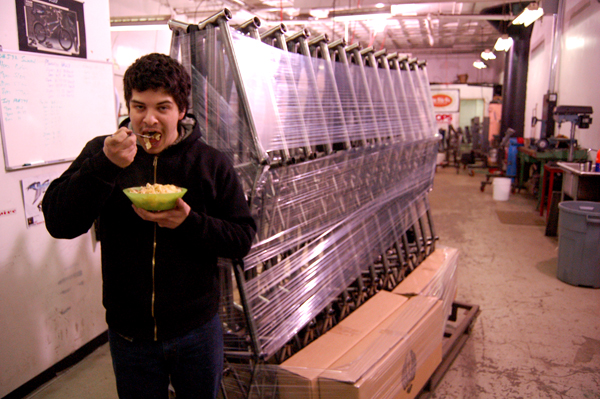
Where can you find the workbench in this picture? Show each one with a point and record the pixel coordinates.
(540, 158)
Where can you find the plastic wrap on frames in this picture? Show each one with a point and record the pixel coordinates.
(291, 106)
(336, 148)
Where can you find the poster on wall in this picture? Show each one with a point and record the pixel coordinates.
(33, 189)
(52, 27)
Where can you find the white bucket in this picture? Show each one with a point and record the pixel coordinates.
(441, 157)
(501, 188)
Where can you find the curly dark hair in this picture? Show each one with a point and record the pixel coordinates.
(158, 71)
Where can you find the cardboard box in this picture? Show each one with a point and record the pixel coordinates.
(298, 376)
(394, 360)
(435, 276)
(439, 264)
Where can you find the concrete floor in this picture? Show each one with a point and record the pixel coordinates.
(535, 337)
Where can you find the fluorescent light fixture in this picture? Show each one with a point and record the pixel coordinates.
(531, 13)
(134, 28)
(503, 43)
(479, 64)
(488, 55)
(362, 17)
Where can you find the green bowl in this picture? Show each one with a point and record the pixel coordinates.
(154, 202)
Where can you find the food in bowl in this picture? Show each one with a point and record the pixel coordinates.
(155, 197)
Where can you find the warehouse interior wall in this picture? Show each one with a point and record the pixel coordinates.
(50, 290)
(445, 68)
(577, 69)
(127, 46)
(470, 109)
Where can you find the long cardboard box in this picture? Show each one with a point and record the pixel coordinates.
(298, 375)
(394, 360)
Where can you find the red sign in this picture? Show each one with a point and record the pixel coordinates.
(441, 100)
(443, 118)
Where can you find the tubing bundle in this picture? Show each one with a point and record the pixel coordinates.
(336, 148)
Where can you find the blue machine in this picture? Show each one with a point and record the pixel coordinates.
(511, 157)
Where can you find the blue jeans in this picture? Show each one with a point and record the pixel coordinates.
(193, 364)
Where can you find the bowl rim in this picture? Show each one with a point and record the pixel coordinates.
(128, 191)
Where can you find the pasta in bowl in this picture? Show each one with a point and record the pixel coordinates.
(155, 197)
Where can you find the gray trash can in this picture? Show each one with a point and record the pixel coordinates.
(579, 243)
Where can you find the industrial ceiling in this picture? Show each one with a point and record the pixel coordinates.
(415, 27)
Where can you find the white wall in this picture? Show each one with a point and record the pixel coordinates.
(130, 45)
(577, 77)
(482, 94)
(50, 290)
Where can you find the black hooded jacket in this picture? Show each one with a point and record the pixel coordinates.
(158, 283)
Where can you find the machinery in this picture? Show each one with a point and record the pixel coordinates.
(579, 116)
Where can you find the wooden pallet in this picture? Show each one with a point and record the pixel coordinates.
(457, 332)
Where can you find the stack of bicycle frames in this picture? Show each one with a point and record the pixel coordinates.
(336, 147)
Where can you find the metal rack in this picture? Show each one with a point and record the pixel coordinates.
(336, 147)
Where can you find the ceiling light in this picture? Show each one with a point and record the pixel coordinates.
(532, 12)
(379, 27)
(479, 64)
(319, 14)
(488, 55)
(503, 43)
(379, 5)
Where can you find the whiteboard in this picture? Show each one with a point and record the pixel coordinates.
(51, 106)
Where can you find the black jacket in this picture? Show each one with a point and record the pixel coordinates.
(158, 283)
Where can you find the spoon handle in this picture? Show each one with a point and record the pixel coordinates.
(143, 135)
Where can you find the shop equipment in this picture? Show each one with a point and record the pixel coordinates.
(579, 116)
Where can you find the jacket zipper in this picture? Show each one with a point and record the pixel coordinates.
(154, 164)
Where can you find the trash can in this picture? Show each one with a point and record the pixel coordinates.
(579, 243)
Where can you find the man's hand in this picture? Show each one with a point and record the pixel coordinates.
(121, 147)
(169, 219)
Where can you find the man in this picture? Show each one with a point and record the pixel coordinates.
(160, 277)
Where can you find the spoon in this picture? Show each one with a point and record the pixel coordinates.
(143, 135)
